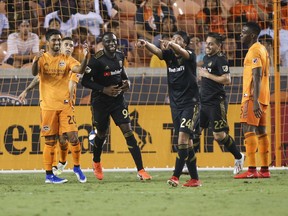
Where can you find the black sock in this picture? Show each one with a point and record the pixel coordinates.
(135, 151)
(191, 164)
(97, 149)
(229, 143)
(180, 160)
(196, 144)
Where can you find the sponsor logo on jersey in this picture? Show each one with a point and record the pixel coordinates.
(116, 72)
(255, 60)
(225, 68)
(177, 69)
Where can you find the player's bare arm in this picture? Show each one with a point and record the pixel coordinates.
(225, 79)
(151, 47)
(32, 85)
(35, 62)
(256, 85)
(81, 68)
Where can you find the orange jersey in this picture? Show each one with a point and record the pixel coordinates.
(257, 56)
(54, 79)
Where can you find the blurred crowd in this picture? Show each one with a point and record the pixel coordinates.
(23, 24)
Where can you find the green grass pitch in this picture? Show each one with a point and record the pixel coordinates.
(121, 193)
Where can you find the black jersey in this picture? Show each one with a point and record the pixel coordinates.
(103, 72)
(211, 90)
(182, 82)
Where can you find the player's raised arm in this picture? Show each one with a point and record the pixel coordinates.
(177, 49)
(35, 62)
(81, 68)
(151, 47)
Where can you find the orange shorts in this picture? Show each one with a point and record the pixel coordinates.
(247, 115)
(57, 122)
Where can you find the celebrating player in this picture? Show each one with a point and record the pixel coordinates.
(108, 81)
(214, 75)
(184, 97)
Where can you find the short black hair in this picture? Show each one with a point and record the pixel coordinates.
(218, 37)
(254, 27)
(51, 32)
(107, 33)
(184, 35)
(67, 38)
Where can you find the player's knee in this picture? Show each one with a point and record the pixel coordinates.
(219, 136)
(51, 140)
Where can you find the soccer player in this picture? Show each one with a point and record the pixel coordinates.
(108, 81)
(67, 47)
(57, 113)
(184, 98)
(214, 74)
(255, 101)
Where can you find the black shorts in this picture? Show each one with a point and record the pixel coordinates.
(101, 113)
(182, 119)
(214, 114)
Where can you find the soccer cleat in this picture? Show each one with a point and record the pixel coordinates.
(61, 167)
(80, 176)
(185, 170)
(55, 171)
(143, 175)
(98, 170)
(192, 183)
(264, 174)
(173, 181)
(239, 163)
(52, 179)
(92, 136)
(247, 175)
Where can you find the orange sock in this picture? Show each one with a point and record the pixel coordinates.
(251, 143)
(63, 152)
(55, 162)
(76, 152)
(264, 149)
(48, 156)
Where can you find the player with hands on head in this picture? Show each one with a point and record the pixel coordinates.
(214, 75)
(108, 80)
(184, 99)
(57, 114)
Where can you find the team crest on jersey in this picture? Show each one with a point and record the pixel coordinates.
(46, 66)
(120, 63)
(210, 64)
(62, 63)
(225, 68)
(255, 60)
(46, 128)
(87, 69)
